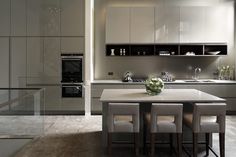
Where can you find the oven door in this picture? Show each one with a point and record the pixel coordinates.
(72, 90)
(72, 70)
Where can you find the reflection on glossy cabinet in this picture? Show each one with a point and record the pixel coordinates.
(18, 17)
(4, 62)
(5, 17)
(192, 24)
(43, 17)
(18, 62)
(142, 25)
(52, 62)
(35, 59)
(72, 17)
(167, 24)
(117, 25)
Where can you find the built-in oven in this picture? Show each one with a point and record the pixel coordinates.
(72, 90)
(72, 68)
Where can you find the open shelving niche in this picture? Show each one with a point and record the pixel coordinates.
(176, 49)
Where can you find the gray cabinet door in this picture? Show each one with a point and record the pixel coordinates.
(4, 62)
(72, 45)
(167, 24)
(35, 60)
(5, 17)
(117, 25)
(43, 17)
(192, 24)
(18, 17)
(52, 60)
(142, 25)
(72, 17)
(18, 62)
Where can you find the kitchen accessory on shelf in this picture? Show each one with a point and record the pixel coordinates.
(154, 85)
(112, 52)
(128, 77)
(213, 52)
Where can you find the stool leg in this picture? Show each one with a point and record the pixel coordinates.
(195, 146)
(207, 143)
(109, 142)
(152, 138)
(136, 143)
(222, 144)
(179, 144)
(171, 143)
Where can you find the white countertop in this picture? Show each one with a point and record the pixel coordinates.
(201, 81)
(167, 95)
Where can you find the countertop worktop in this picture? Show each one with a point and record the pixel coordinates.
(201, 81)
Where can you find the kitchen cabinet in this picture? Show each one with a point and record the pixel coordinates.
(216, 24)
(118, 25)
(18, 17)
(192, 24)
(43, 17)
(5, 17)
(52, 60)
(18, 62)
(4, 62)
(142, 25)
(35, 60)
(72, 17)
(167, 24)
(72, 45)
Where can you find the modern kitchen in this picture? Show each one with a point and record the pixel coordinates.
(117, 77)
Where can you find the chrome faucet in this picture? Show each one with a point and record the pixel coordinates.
(197, 71)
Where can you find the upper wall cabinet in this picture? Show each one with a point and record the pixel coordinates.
(43, 17)
(18, 17)
(142, 25)
(192, 22)
(72, 18)
(5, 17)
(216, 24)
(117, 25)
(167, 24)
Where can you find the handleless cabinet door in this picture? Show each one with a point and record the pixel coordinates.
(216, 24)
(5, 17)
(4, 62)
(72, 45)
(167, 24)
(118, 25)
(18, 62)
(192, 22)
(142, 25)
(43, 17)
(35, 60)
(52, 60)
(18, 17)
(72, 17)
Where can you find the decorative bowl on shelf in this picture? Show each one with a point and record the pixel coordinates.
(154, 85)
(213, 52)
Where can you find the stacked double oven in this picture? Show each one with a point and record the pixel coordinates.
(72, 75)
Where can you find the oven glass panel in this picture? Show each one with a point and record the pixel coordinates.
(71, 91)
(72, 70)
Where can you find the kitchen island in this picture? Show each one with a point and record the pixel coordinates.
(185, 96)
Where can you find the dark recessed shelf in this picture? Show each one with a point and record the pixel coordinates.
(142, 50)
(191, 49)
(167, 50)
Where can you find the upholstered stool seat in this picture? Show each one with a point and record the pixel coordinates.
(123, 118)
(165, 118)
(207, 118)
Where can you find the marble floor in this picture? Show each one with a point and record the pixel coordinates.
(80, 136)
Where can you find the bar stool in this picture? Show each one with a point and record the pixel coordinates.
(200, 121)
(166, 118)
(118, 124)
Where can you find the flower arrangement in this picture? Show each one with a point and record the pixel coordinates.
(154, 85)
(225, 72)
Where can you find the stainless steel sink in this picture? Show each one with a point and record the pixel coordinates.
(191, 81)
(198, 81)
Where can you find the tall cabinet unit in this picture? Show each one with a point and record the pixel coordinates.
(5, 17)
(4, 62)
